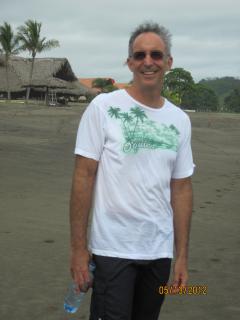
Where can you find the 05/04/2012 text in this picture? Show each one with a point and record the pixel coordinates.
(183, 290)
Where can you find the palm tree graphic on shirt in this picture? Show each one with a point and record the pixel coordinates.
(140, 132)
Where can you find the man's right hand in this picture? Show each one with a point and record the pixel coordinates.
(80, 269)
(80, 204)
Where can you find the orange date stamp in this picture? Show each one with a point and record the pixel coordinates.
(183, 290)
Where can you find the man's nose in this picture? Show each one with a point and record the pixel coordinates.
(148, 61)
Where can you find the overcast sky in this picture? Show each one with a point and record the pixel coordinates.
(93, 35)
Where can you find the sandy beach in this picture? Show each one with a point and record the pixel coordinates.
(36, 165)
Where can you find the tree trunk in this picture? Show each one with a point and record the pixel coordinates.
(27, 94)
(7, 77)
(46, 96)
(30, 80)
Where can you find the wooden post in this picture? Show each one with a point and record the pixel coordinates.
(46, 96)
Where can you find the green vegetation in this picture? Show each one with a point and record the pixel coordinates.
(9, 46)
(201, 97)
(220, 94)
(179, 87)
(223, 88)
(106, 85)
(177, 83)
(232, 102)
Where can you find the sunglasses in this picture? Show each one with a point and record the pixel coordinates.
(141, 55)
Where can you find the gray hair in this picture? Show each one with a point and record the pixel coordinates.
(161, 31)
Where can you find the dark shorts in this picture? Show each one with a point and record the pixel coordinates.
(126, 289)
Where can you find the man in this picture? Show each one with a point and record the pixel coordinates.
(134, 162)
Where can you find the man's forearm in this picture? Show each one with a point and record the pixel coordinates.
(80, 205)
(182, 201)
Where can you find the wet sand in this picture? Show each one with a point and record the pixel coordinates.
(36, 164)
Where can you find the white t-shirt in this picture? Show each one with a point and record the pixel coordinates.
(139, 150)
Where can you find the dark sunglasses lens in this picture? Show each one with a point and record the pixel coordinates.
(140, 55)
(157, 55)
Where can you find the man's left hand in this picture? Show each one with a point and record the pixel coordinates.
(180, 273)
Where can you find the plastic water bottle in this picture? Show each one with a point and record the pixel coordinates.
(74, 298)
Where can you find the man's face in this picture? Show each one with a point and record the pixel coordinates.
(146, 63)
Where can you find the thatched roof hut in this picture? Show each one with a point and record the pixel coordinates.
(48, 73)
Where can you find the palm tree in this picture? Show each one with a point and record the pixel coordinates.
(174, 129)
(29, 37)
(114, 112)
(127, 119)
(139, 115)
(9, 46)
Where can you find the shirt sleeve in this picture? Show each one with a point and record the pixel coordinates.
(90, 135)
(184, 166)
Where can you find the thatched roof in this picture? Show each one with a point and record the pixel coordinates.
(48, 72)
(14, 79)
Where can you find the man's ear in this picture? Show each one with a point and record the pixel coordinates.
(169, 63)
(129, 63)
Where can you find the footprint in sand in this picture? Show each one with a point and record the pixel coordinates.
(215, 260)
(226, 189)
(193, 270)
(49, 241)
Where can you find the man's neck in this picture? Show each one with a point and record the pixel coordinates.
(148, 96)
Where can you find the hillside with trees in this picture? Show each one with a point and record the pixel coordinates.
(218, 94)
(223, 87)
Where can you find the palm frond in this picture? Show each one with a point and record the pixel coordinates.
(50, 44)
(8, 41)
(29, 36)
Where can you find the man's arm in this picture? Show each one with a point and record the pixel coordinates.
(80, 205)
(182, 201)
